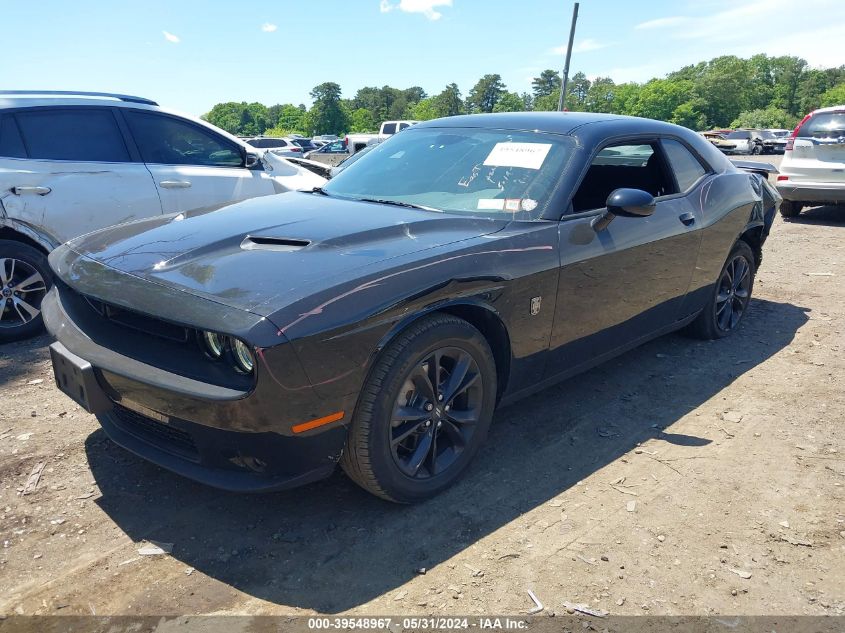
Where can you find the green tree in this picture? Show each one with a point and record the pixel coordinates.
(327, 113)
(576, 92)
(509, 102)
(833, 97)
(690, 114)
(659, 98)
(600, 95)
(449, 102)
(787, 73)
(485, 94)
(425, 110)
(770, 117)
(244, 119)
(725, 90)
(362, 120)
(547, 103)
(546, 83)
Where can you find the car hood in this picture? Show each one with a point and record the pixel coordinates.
(268, 252)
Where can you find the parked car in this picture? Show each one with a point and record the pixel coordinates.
(330, 153)
(813, 166)
(304, 143)
(780, 132)
(389, 128)
(771, 143)
(718, 140)
(356, 142)
(744, 141)
(349, 160)
(71, 163)
(318, 143)
(379, 320)
(284, 147)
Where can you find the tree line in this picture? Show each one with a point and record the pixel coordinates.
(727, 91)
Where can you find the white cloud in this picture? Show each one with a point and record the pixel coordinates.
(426, 7)
(581, 46)
(267, 27)
(659, 23)
(170, 37)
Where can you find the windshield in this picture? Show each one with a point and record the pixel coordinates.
(766, 134)
(824, 125)
(739, 135)
(462, 170)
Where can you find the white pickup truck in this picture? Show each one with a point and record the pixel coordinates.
(389, 128)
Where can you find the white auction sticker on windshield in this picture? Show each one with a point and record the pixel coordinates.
(491, 204)
(527, 155)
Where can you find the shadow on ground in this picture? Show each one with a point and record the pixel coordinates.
(331, 547)
(831, 215)
(18, 357)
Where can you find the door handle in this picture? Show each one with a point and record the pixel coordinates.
(39, 191)
(175, 184)
(687, 218)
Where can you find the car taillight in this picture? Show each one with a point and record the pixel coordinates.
(783, 178)
(296, 149)
(790, 142)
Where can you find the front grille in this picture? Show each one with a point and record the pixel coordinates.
(140, 322)
(161, 435)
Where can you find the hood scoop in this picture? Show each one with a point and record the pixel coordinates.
(269, 243)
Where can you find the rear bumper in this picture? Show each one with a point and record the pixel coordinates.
(821, 193)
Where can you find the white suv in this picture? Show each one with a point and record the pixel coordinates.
(813, 168)
(72, 162)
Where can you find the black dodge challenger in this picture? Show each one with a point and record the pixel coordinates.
(379, 320)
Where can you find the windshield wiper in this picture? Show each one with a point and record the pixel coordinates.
(397, 203)
(321, 191)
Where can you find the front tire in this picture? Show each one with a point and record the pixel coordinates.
(731, 294)
(423, 412)
(789, 209)
(25, 279)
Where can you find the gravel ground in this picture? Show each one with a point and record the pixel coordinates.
(681, 478)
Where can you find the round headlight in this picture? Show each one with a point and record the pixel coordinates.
(243, 356)
(214, 344)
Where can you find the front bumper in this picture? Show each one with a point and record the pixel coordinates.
(238, 441)
(820, 193)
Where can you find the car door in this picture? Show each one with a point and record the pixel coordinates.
(622, 283)
(68, 171)
(193, 168)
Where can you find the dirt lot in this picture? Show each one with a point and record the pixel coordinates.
(682, 478)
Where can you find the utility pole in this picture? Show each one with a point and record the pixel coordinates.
(565, 77)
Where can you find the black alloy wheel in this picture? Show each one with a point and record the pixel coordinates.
(424, 410)
(730, 297)
(436, 413)
(734, 293)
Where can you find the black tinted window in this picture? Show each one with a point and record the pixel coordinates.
(686, 167)
(267, 142)
(389, 128)
(168, 141)
(824, 125)
(11, 144)
(81, 135)
(618, 166)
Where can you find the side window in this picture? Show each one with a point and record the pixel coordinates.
(688, 170)
(11, 144)
(389, 128)
(634, 166)
(402, 126)
(87, 135)
(167, 141)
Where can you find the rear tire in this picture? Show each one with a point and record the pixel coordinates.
(414, 431)
(731, 294)
(25, 278)
(789, 209)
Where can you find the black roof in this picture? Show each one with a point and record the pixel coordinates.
(551, 122)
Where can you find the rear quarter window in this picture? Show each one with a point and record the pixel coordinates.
(688, 170)
(11, 144)
(85, 135)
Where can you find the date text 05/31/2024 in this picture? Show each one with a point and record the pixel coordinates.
(418, 623)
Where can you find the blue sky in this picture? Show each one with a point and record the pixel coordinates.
(191, 54)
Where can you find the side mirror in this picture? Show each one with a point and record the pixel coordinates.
(251, 160)
(627, 203)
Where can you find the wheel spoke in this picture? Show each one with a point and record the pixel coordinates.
(740, 272)
(420, 453)
(725, 317)
(422, 384)
(410, 414)
(2, 307)
(433, 366)
(460, 378)
(432, 453)
(32, 279)
(405, 431)
(742, 293)
(454, 434)
(461, 417)
(4, 276)
(33, 311)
